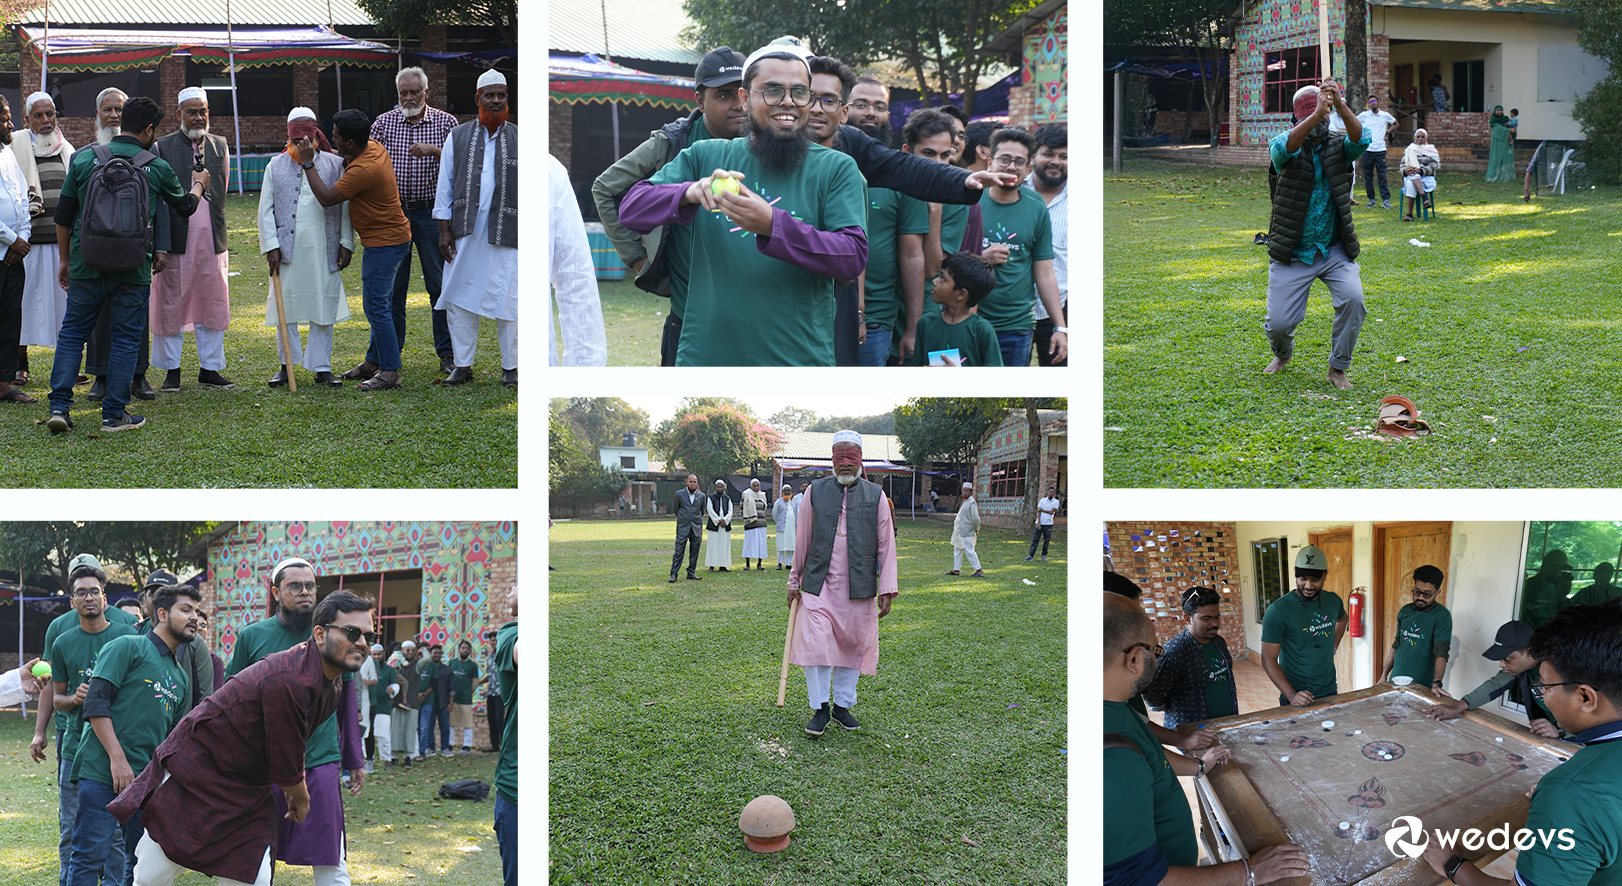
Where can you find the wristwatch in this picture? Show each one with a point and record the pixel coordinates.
(308, 164)
(1452, 866)
(1063, 329)
(1200, 761)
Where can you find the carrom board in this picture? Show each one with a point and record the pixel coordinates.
(1335, 792)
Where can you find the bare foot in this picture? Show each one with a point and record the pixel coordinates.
(1338, 379)
(1276, 365)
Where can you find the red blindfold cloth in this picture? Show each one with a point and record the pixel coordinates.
(1306, 105)
(306, 128)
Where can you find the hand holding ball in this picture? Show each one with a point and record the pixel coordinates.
(42, 670)
(722, 184)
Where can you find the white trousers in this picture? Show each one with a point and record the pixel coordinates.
(467, 736)
(957, 556)
(380, 731)
(210, 349)
(843, 680)
(1409, 182)
(464, 327)
(153, 868)
(317, 357)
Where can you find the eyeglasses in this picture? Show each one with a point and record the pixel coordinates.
(800, 96)
(863, 104)
(353, 633)
(828, 103)
(300, 587)
(1157, 651)
(1012, 162)
(1541, 689)
(90, 593)
(1424, 595)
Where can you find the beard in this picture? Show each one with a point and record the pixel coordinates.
(1320, 131)
(1150, 666)
(104, 134)
(1050, 177)
(492, 120)
(847, 479)
(299, 620)
(195, 134)
(878, 132)
(413, 112)
(336, 651)
(45, 144)
(5, 136)
(777, 153)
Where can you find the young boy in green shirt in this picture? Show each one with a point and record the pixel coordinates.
(1424, 634)
(956, 335)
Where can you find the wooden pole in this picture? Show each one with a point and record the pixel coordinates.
(788, 639)
(281, 330)
(1323, 39)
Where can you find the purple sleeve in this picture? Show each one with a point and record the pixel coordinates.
(840, 254)
(349, 728)
(974, 231)
(647, 206)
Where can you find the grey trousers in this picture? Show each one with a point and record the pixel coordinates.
(1287, 290)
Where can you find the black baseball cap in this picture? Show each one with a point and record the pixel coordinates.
(1512, 636)
(722, 66)
(157, 578)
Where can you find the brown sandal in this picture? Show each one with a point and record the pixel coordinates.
(362, 372)
(379, 383)
(1399, 417)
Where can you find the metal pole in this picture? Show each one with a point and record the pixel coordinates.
(44, 63)
(1119, 73)
(614, 114)
(22, 591)
(236, 115)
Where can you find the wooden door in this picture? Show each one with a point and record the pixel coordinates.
(1404, 93)
(1337, 547)
(1427, 70)
(1400, 548)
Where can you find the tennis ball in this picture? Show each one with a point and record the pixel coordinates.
(42, 669)
(726, 183)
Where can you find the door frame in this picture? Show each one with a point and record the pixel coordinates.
(1316, 538)
(1376, 603)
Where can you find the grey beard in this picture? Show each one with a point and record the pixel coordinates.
(104, 134)
(847, 479)
(195, 134)
(44, 144)
(1321, 131)
(777, 153)
(413, 112)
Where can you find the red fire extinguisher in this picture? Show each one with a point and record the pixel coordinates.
(1356, 616)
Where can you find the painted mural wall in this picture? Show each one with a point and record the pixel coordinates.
(1270, 26)
(1046, 49)
(1005, 443)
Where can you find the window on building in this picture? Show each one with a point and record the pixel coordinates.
(1008, 479)
(1267, 555)
(1288, 70)
(628, 462)
(1470, 86)
(1568, 562)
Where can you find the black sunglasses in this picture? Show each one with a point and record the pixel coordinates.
(353, 633)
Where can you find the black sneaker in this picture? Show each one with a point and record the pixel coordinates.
(819, 721)
(98, 390)
(672, 578)
(1029, 558)
(129, 421)
(142, 389)
(213, 379)
(408, 762)
(843, 717)
(59, 422)
(171, 381)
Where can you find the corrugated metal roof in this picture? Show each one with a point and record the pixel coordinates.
(173, 12)
(645, 29)
(813, 444)
(1482, 5)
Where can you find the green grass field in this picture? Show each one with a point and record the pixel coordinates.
(664, 721)
(399, 829)
(255, 436)
(1498, 331)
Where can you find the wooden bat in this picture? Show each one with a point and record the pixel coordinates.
(1323, 38)
(281, 331)
(788, 639)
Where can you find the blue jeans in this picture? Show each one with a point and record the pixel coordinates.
(98, 838)
(876, 349)
(1016, 347)
(425, 236)
(378, 267)
(128, 304)
(425, 728)
(506, 828)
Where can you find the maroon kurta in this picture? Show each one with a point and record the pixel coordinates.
(215, 813)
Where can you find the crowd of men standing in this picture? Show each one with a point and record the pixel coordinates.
(781, 204)
(114, 303)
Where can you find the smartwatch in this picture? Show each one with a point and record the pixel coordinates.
(308, 164)
(1452, 866)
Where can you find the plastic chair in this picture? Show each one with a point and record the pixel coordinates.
(1424, 205)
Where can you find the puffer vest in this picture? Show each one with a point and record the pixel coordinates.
(1291, 189)
(862, 502)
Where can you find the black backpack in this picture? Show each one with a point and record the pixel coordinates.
(115, 220)
(466, 789)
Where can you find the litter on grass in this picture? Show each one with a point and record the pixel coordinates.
(1415, 241)
(1028, 581)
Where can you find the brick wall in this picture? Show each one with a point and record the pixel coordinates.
(1022, 107)
(1379, 67)
(560, 131)
(1167, 558)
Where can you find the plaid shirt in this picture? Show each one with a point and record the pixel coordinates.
(416, 176)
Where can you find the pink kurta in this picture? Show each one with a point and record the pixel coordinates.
(832, 629)
(191, 290)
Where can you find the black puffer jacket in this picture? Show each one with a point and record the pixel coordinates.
(1291, 189)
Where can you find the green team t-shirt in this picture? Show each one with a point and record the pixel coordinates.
(678, 254)
(889, 215)
(1025, 228)
(974, 339)
(381, 703)
(74, 663)
(1585, 795)
(1218, 683)
(1417, 633)
(954, 224)
(465, 672)
(150, 688)
(507, 671)
(1305, 633)
(268, 636)
(70, 621)
(1143, 803)
(731, 284)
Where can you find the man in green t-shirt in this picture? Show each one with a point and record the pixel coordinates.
(506, 812)
(48, 714)
(1300, 633)
(893, 284)
(1517, 670)
(771, 250)
(1018, 240)
(1424, 634)
(1194, 679)
(133, 701)
(1579, 802)
(464, 676)
(382, 691)
(1148, 827)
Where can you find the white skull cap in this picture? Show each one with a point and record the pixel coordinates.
(276, 573)
(848, 436)
(491, 77)
(28, 103)
(790, 46)
(408, 645)
(190, 93)
(300, 113)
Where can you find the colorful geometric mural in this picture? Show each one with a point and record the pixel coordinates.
(1046, 47)
(1270, 26)
(461, 564)
(1007, 442)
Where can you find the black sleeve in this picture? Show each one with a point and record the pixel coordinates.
(67, 210)
(99, 701)
(900, 171)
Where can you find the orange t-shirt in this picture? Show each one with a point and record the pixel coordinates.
(374, 198)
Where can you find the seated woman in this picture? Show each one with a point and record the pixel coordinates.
(1420, 161)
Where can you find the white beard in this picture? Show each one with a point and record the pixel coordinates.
(413, 112)
(195, 134)
(847, 479)
(104, 134)
(45, 144)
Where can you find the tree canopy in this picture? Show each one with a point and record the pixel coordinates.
(883, 423)
(130, 549)
(792, 418)
(1199, 30)
(409, 18)
(713, 441)
(574, 473)
(945, 429)
(604, 421)
(1599, 112)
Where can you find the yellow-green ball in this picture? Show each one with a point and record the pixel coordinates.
(43, 669)
(727, 183)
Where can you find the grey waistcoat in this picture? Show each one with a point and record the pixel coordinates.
(176, 150)
(467, 141)
(862, 502)
(1292, 194)
(289, 178)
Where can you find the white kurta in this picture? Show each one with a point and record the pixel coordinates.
(311, 291)
(574, 280)
(718, 542)
(482, 278)
(44, 300)
(784, 513)
(754, 540)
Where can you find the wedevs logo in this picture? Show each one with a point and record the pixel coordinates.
(1407, 838)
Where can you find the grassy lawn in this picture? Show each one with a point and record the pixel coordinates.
(634, 319)
(664, 721)
(255, 436)
(1494, 331)
(399, 830)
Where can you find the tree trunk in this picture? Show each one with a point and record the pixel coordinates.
(1356, 82)
(916, 58)
(1033, 459)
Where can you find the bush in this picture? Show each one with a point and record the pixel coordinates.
(1600, 114)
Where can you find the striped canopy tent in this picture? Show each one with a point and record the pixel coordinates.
(112, 49)
(870, 468)
(583, 79)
